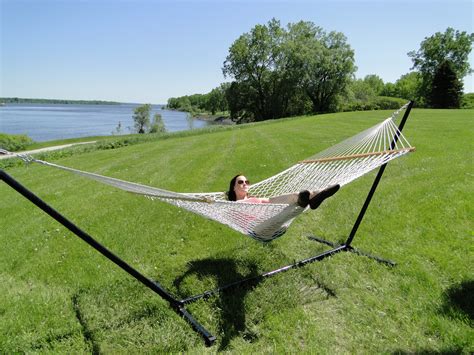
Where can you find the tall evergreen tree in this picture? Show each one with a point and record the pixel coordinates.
(446, 88)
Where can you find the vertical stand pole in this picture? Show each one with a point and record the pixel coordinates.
(376, 181)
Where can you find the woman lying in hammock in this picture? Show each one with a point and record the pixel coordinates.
(272, 227)
(239, 188)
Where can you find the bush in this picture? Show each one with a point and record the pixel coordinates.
(377, 103)
(14, 142)
(157, 124)
(467, 101)
(389, 103)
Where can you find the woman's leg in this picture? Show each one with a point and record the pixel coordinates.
(301, 199)
(288, 199)
(317, 197)
(277, 225)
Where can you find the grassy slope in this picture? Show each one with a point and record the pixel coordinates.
(56, 294)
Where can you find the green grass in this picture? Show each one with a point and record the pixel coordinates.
(57, 295)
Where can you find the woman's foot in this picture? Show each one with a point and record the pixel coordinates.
(317, 199)
(303, 198)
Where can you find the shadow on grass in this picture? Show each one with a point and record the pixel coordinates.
(448, 351)
(52, 340)
(458, 299)
(85, 330)
(457, 304)
(231, 304)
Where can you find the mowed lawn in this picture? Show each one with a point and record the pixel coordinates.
(58, 295)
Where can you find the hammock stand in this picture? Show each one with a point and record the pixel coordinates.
(179, 305)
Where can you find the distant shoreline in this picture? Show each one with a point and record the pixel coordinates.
(18, 100)
(46, 122)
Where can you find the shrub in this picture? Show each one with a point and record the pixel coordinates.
(14, 142)
(376, 103)
(389, 103)
(157, 124)
(467, 101)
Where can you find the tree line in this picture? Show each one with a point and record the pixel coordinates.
(300, 69)
(19, 100)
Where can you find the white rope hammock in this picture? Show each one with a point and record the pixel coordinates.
(339, 164)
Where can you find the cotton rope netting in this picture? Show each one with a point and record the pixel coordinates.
(339, 164)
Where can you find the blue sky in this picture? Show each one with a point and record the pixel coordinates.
(147, 51)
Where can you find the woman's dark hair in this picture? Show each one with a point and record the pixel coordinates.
(231, 193)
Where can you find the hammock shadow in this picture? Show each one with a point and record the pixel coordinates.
(446, 351)
(458, 301)
(231, 304)
(457, 304)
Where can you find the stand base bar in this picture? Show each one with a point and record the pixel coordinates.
(297, 264)
(353, 250)
(209, 339)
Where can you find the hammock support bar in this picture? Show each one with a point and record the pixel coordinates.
(365, 155)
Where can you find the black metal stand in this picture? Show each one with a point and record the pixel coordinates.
(336, 248)
(179, 305)
(347, 244)
(346, 247)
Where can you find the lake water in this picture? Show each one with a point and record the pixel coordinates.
(44, 122)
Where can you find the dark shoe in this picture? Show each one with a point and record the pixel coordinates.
(321, 196)
(303, 198)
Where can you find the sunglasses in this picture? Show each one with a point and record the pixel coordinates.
(240, 182)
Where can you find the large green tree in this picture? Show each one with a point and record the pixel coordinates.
(323, 63)
(364, 90)
(375, 83)
(277, 71)
(240, 102)
(407, 87)
(257, 63)
(216, 99)
(452, 45)
(360, 90)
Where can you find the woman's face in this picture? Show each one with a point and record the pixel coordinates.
(241, 186)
